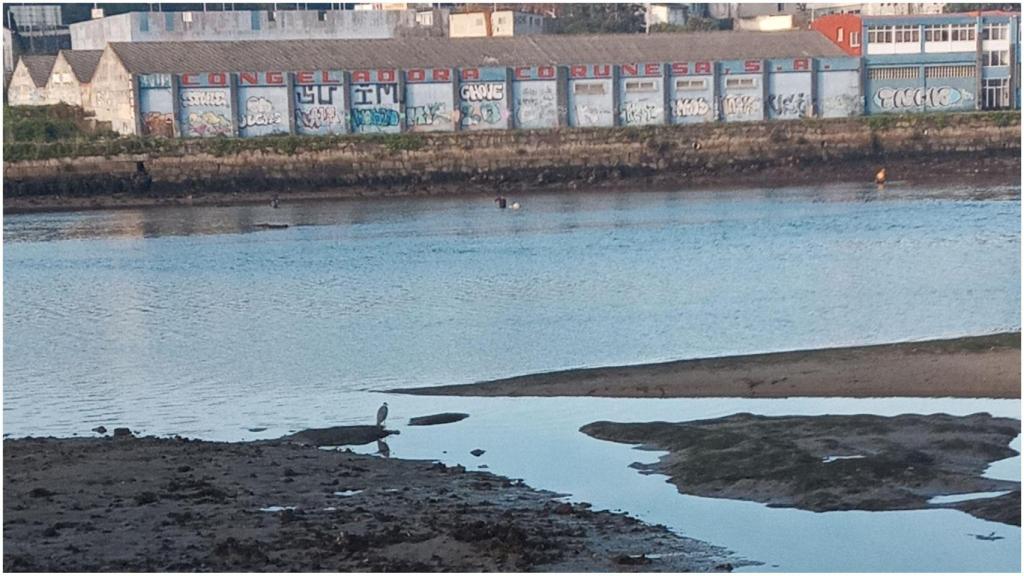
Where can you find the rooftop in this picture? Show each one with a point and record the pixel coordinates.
(83, 62)
(39, 67)
(190, 57)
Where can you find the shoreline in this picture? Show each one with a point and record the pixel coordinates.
(969, 367)
(160, 504)
(973, 169)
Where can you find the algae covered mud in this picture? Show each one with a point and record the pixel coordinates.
(196, 321)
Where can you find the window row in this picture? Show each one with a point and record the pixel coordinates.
(895, 73)
(949, 72)
(949, 33)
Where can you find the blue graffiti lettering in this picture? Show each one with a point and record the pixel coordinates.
(374, 117)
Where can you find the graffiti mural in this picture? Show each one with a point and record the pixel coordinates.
(158, 124)
(536, 104)
(375, 108)
(741, 105)
(482, 105)
(259, 111)
(789, 105)
(207, 123)
(205, 112)
(430, 106)
(931, 97)
(691, 107)
(156, 106)
(319, 109)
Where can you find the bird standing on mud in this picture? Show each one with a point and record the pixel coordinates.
(382, 413)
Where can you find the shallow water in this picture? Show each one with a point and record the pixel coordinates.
(191, 321)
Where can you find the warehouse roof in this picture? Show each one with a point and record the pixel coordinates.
(83, 62)
(187, 57)
(39, 67)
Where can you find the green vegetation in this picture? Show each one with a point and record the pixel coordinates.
(693, 24)
(599, 19)
(42, 133)
(954, 7)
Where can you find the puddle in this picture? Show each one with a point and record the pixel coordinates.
(277, 508)
(828, 459)
(952, 498)
(346, 493)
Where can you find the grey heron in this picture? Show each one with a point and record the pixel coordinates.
(382, 413)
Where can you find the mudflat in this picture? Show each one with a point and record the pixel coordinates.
(159, 504)
(971, 367)
(823, 463)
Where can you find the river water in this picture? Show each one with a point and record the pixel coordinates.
(194, 321)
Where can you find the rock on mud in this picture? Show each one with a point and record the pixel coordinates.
(339, 435)
(443, 418)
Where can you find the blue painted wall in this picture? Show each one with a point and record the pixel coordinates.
(430, 100)
(206, 105)
(591, 95)
(262, 103)
(376, 102)
(320, 104)
(156, 105)
(641, 94)
(484, 99)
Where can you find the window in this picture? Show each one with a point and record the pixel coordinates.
(962, 33)
(949, 71)
(588, 88)
(321, 15)
(169, 21)
(186, 17)
(894, 73)
(995, 58)
(254, 20)
(839, 34)
(995, 32)
(880, 34)
(641, 86)
(995, 93)
(144, 23)
(906, 34)
(854, 39)
(271, 16)
(936, 33)
(741, 82)
(691, 84)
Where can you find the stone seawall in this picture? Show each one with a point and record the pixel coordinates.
(519, 160)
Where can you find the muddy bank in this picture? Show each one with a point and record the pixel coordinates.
(972, 367)
(147, 504)
(108, 190)
(823, 463)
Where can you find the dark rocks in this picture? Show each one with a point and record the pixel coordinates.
(100, 430)
(563, 509)
(339, 435)
(122, 433)
(41, 493)
(443, 418)
(477, 452)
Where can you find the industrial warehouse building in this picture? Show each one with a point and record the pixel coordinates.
(933, 61)
(202, 89)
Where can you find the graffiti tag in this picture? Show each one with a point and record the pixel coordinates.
(259, 111)
(640, 113)
(736, 105)
(374, 94)
(190, 98)
(428, 115)
(789, 104)
(482, 92)
(315, 94)
(688, 107)
(933, 97)
(317, 117)
(374, 117)
(480, 113)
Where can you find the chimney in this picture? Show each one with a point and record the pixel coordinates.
(97, 13)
